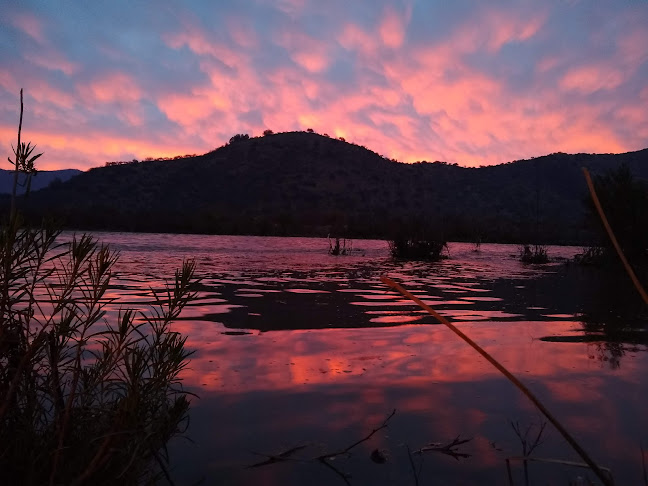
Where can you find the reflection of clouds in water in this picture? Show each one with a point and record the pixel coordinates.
(424, 371)
(482, 299)
(391, 319)
(307, 291)
(260, 360)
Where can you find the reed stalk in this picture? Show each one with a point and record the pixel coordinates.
(607, 481)
(608, 229)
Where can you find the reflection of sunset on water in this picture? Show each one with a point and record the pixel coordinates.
(298, 347)
(406, 355)
(424, 372)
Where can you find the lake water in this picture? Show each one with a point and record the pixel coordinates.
(295, 348)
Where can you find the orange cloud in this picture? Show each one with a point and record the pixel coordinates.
(60, 149)
(185, 109)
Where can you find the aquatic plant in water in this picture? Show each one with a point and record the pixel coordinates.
(537, 254)
(417, 249)
(83, 399)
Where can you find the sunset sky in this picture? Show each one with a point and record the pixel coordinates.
(467, 82)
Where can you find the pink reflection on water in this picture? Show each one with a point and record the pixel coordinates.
(406, 354)
(307, 291)
(416, 369)
(395, 319)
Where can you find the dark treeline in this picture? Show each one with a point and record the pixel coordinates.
(303, 183)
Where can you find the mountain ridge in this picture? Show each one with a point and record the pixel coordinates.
(300, 183)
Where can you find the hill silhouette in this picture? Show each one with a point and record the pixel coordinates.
(300, 183)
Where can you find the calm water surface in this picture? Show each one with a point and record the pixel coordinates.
(294, 347)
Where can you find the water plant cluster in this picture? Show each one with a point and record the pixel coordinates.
(534, 254)
(417, 248)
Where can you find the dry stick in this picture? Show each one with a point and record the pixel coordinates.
(358, 442)
(610, 233)
(572, 442)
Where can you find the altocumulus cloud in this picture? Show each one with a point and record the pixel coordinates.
(467, 82)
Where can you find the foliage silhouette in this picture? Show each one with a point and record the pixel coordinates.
(83, 399)
(239, 137)
(624, 199)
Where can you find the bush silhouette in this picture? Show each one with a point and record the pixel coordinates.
(83, 398)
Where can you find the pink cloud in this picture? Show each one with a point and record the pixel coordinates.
(353, 38)
(306, 51)
(291, 7)
(392, 29)
(30, 25)
(52, 60)
(449, 97)
(185, 109)
(8, 81)
(200, 43)
(242, 32)
(505, 28)
(311, 61)
(588, 79)
(111, 87)
(45, 94)
(491, 29)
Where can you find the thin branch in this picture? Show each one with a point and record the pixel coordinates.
(335, 470)
(357, 443)
(450, 449)
(281, 457)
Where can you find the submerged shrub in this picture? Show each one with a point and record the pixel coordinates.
(593, 255)
(417, 249)
(84, 399)
(345, 248)
(534, 254)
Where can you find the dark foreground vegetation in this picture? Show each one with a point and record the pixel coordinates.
(88, 395)
(624, 199)
(303, 183)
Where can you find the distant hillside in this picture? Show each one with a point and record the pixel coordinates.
(42, 179)
(305, 183)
